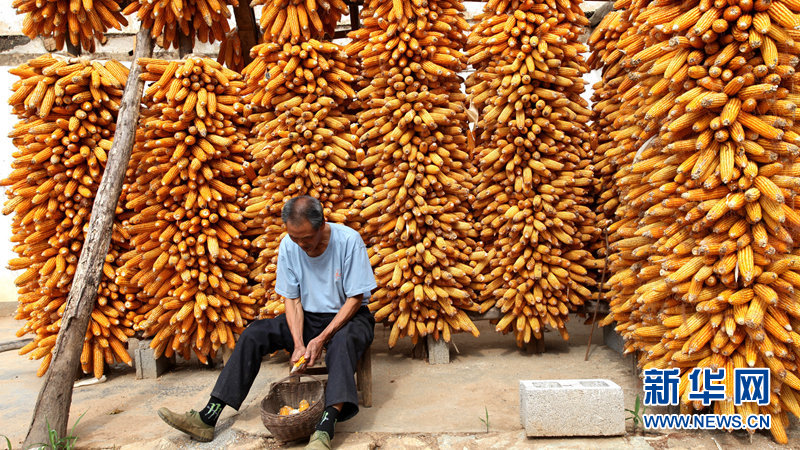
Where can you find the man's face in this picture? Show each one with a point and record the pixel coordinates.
(304, 235)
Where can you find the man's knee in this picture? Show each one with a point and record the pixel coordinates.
(261, 332)
(351, 337)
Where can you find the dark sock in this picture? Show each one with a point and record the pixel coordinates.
(210, 414)
(328, 420)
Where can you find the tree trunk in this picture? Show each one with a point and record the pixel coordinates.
(248, 29)
(55, 396)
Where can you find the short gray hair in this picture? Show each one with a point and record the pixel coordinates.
(303, 207)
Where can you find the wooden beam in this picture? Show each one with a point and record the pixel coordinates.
(55, 396)
(354, 22)
(247, 29)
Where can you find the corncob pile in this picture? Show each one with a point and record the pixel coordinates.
(206, 20)
(302, 145)
(67, 111)
(82, 22)
(413, 130)
(533, 152)
(704, 269)
(185, 276)
(298, 21)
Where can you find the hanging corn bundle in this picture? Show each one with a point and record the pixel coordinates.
(297, 89)
(80, 22)
(704, 265)
(608, 110)
(533, 152)
(414, 134)
(302, 146)
(186, 185)
(299, 20)
(205, 20)
(67, 111)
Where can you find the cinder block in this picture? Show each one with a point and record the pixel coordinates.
(133, 345)
(612, 339)
(591, 407)
(147, 365)
(438, 351)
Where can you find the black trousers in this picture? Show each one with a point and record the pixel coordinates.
(266, 336)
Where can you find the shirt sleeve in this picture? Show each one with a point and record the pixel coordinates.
(287, 283)
(358, 277)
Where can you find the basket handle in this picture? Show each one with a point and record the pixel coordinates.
(297, 376)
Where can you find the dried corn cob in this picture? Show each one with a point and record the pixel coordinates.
(705, 148)
(533, 152)
(298, 21)
(413, 129)
(186, 185)
(68, 110)
(205, 20)
(230, 51)
(82, 22)
(302, 144)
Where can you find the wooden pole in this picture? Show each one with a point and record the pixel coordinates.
(599, 298)
(55, 396)
(185, 45)
(74, 50)
(248, 28)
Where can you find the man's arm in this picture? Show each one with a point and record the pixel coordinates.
(294, 319)
(347, 311)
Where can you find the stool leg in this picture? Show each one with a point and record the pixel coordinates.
(364, 377)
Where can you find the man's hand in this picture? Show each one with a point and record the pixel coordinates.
(296, 354)
(314, 350)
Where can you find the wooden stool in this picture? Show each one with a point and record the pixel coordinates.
(363, 377)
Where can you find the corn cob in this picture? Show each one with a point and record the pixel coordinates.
(67, 110)
(81, 22)
(696, 134)
(204, 20)
(533, 153)
(412, 124)
(185, 193)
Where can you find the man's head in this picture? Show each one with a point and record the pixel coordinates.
(304, 223)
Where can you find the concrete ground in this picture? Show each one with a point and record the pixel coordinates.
(416, 405)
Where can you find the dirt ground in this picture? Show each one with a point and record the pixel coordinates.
(416, 405)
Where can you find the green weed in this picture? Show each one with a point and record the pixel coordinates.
(485, 420)
(636, 413)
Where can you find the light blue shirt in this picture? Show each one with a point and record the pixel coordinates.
(323, 283)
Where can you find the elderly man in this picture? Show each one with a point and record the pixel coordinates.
(325, 276)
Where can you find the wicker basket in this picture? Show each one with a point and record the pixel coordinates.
(289, 391)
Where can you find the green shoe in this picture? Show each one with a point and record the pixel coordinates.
(319, 441)
(190, 423)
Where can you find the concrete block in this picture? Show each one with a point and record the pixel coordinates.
(438, 351)
(147, 365)
(133, 344)
(612, 339)
(592, 407)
